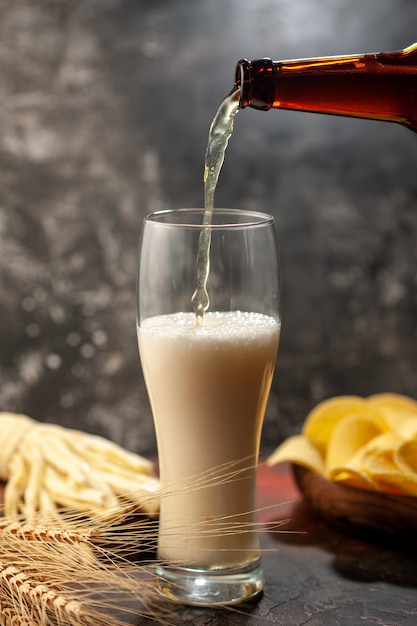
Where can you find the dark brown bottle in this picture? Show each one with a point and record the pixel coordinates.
(380, 86)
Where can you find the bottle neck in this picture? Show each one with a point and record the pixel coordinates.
(255, 79)
(380, 86)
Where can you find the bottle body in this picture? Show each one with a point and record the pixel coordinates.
(377, 86)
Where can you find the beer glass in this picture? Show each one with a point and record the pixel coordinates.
(208, 379)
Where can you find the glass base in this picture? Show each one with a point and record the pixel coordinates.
(199, 587)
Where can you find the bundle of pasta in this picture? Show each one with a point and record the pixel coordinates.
(47, 467)
(369, 443)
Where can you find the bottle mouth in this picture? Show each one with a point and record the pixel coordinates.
(253, 79)
(242, 77)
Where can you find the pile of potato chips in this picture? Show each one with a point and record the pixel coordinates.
(369, 443)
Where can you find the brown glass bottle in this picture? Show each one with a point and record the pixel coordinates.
(379, 86)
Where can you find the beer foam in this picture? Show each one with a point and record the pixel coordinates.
(216, 325)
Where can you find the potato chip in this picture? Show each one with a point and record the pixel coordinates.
(408, 427)
(397, 484)
(352, 478)
(323, 418)
(369, 460)
(406, 457)
(377, 459)
(351, 434)
(395, 401)
(399, 415)
(389, 476)
(378, 450)
(365, 443)
(298, 450)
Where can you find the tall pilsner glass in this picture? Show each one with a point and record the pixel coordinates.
(208, 384)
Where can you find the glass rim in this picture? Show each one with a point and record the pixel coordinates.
(251, 218)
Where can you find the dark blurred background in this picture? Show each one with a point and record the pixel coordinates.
(105, 107)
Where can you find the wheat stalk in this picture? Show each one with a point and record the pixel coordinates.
(9, 616)
(36, 600)
(67, 569)
(71, 571)
(47, 584)
(32, 532)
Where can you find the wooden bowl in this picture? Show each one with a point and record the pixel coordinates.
(372, 514)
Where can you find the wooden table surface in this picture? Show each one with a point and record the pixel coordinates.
(316, 574)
